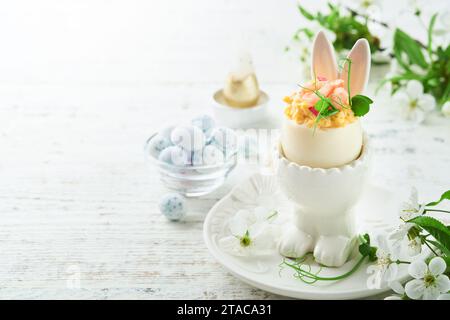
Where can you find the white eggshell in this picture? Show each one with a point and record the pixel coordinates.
(322, 148)
(190, 138)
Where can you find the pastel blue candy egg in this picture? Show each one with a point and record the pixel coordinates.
(225, 139)
(175, 155)
(212, 155)
(173, 206)
(197, 158)
(190, 138)
(167, 131)
(157, 144)
(204, 122)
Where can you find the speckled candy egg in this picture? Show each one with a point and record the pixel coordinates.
(157, 144)
(197, 158)
(173, 206)
(175, 155)
(204, 122)
(225, 139)
(166, 131)
(190, 138)
(212, 155)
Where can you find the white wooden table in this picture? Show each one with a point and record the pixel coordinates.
(78, 202)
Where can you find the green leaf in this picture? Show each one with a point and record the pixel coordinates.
(305, 13)
(360, 105)
(434, 227)
(404, 43)
(321, 104)
(444, 196)
(365, 249)
(439, 246)
(366, 98)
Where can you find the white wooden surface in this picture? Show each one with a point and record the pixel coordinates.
(83, 84)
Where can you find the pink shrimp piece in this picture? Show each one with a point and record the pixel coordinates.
(337, 83)
(339, 96)
(310, 98)
(326, 89)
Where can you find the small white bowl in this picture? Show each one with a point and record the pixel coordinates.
(192, 181)
(233, 117)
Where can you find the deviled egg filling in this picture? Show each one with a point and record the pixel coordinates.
(316, 137)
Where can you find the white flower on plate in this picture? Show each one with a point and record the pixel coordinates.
(385, 268)
(446, 109)
(398, 289)
(429, 281)
(251, 233)
(413, 103)
(409, 210)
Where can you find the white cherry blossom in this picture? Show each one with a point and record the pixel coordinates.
(446, 109)
(414, 105)
(397, 287)
(429, 282)
(250, 233)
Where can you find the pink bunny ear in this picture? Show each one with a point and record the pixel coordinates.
(360, 69)
(323, 58)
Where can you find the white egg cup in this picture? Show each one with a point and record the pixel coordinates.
(233, 117)
(323, 221)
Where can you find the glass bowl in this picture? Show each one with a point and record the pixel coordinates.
(192, 181)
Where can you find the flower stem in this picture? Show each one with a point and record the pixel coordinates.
(356, 13)
(429, 247)
(316, 277)
(402, 262)
(381, 23)
(436, 210)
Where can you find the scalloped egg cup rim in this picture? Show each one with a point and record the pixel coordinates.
(359, 161)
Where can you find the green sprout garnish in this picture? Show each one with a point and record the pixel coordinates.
(360, 104)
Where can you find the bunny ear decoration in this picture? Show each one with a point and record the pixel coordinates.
(360, 67)
(323, 58)
(324, 63)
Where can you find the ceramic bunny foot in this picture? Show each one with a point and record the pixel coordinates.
(295, 243)
(332, 251)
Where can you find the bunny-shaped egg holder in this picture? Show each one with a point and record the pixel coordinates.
(323, 221)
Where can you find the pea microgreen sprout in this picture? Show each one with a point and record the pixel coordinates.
(325, 107)
(360, 104)
(365, 250)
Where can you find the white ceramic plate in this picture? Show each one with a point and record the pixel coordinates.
(377, 214)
